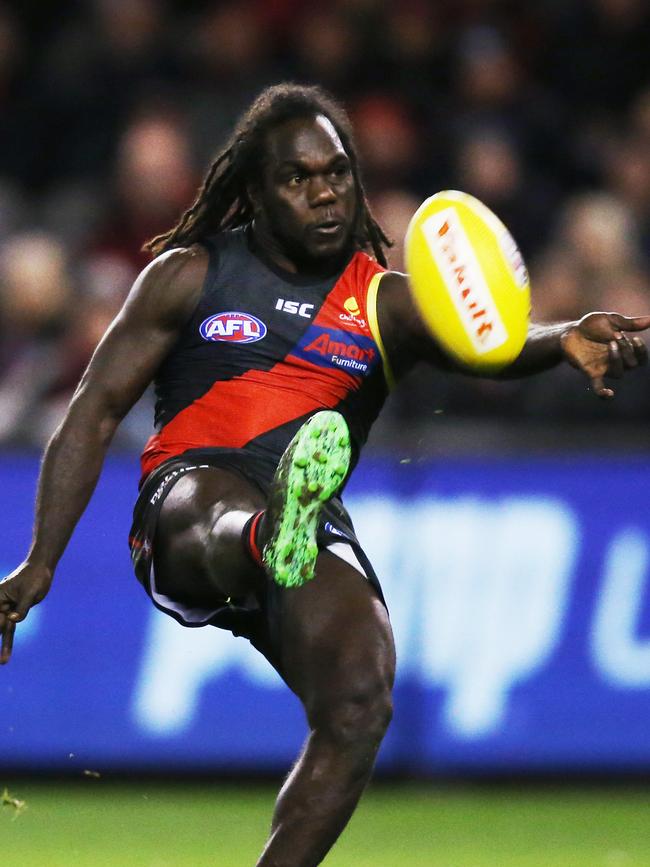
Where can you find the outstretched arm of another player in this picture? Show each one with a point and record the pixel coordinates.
(599, 344)
(162, 299)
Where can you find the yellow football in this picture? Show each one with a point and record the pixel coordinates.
(468, 280)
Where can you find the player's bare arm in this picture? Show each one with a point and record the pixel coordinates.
(599, 344)
(161, 300)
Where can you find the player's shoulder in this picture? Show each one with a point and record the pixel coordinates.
(394, 291)
(395, 279)
(398, 315)
(180, 265)
(172, 283)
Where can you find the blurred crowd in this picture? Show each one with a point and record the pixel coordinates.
(110, 111)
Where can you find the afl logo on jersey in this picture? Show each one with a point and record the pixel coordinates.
(233, 327)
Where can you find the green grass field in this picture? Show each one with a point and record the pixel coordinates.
(98, 823)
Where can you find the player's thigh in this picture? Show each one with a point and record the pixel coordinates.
(194, 539)
(336, 638)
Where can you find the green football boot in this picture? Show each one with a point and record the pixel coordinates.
(310, 471)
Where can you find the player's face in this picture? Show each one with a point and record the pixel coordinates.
(307, 197)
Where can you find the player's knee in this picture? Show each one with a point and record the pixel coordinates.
(357, 716)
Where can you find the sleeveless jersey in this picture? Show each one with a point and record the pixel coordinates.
(263, 351)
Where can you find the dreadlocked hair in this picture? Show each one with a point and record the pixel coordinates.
(222, 202)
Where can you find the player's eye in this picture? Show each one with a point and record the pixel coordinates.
(341, 171)
(295, 180)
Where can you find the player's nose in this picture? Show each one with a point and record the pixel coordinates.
(321, 191)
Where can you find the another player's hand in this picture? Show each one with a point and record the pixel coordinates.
(599, 346)
(25, 587)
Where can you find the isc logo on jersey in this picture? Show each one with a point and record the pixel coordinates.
(233, 327)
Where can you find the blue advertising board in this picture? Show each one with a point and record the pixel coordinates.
(519, 593)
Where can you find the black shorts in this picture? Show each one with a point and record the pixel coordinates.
(257, 620)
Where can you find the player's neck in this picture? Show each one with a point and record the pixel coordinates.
(270, 249)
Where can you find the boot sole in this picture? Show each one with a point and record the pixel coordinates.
(310, 472)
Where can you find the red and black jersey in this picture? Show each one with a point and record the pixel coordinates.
(264, 350)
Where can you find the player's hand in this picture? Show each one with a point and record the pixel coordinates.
(25, 587)
(599, 346)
